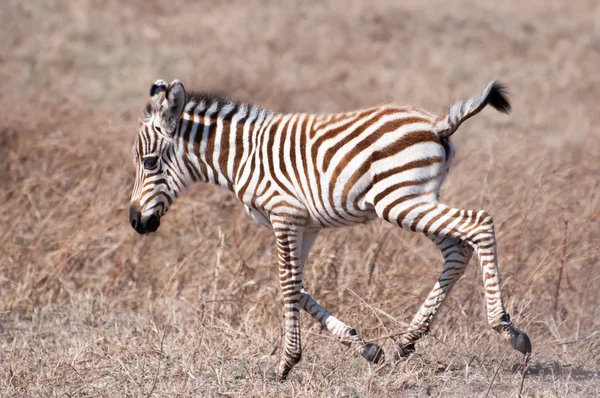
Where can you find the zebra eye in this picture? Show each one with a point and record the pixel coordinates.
(158, 129)
(150, 162)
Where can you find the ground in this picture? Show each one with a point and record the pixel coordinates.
(90, 308)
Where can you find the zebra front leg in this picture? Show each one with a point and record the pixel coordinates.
(289, 246)
(456, 256)
(347, 334)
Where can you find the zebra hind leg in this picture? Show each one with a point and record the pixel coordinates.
(476, 228)
(456, 256)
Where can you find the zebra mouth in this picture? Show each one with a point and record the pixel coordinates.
(150, 225)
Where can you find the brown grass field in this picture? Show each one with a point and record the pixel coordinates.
(90, 308)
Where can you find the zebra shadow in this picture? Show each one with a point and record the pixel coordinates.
(557, 370)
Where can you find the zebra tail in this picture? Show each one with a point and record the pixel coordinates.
(493, 94)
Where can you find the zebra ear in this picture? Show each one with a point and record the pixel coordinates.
(159, 86)
(175, 103)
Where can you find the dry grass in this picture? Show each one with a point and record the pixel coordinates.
(89, 308)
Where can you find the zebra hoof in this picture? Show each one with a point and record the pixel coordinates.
(405, 351)
(521, 343)
(272, 375)
(372, 353)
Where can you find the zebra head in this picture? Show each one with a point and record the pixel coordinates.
(157, 180)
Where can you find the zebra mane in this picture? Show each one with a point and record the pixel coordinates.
(199, 103)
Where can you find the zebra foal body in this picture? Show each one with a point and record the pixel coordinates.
(300, 173)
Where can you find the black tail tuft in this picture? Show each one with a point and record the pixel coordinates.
(498, 97)
(493, 94)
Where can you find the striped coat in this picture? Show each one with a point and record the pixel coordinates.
(300, 173)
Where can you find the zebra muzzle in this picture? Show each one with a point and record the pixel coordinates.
(142, 227)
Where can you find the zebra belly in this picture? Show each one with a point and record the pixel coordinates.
(258, 216)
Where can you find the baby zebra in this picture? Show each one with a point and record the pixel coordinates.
(300, 173)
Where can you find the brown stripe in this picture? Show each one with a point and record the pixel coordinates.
(385, 128)
(485, 263)
(413, 226)
(434, 219)
(171, 157)
(254, 157)
(372, 113)
(398, 146)
(479, 240)
(197, 127)
(185, 134)
(363, 169)
(268, 145)
(343, 126)
(318, 199)
(304, 131)
(175, 181)
(224, 149)
(169, 200)
(398, 201)
(264, 203)
(288, 215)
(140, 144)
(404, 213)
(400, 185)
(160, 206)
(446, 223)
(416, 164)
(472, 224)
(239, 147)
(358, 174)
(292, 139)
(281, 143)
(335, 118)
(357, 150)
(289, 205)
(191, 170)
(210, 145)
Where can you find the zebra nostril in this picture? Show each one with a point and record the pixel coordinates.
(153, 223)
(134, 218)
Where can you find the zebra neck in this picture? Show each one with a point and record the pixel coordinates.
(215, 138)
